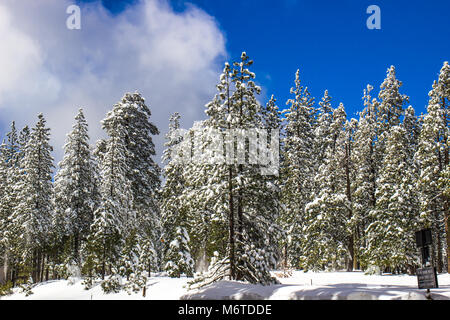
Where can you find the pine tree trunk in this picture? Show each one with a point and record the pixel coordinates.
(13, 276)
(38, 266)
(5, 266)
(103, 261)
(351, 244)
(439, 252)
(76, 249)
(231, 224)
(443, 161)
(286, 256)
(42, 267)
(447, 236)
(351, 251)
(240, 224)
(34, 271)
(231, 200)
(355, 260)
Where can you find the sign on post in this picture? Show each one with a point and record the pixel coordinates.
(427, 278)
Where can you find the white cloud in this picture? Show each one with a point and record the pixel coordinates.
(172, 58)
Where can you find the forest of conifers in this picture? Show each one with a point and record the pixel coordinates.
(349, 195)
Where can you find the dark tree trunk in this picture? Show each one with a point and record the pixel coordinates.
(445, 198)
(439, 251)
(240, 223)
(104, 261)
(231, 223)
(76, 248)
(351, 245)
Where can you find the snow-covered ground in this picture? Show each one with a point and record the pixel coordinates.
(299, 286)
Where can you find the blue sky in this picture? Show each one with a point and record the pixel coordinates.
(173, 51)
(329, 42)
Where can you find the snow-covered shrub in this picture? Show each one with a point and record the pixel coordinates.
(372, 269)
(112, 284)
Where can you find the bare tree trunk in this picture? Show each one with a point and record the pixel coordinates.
(104, 262)
(44, 257)
(351, 245)
(439, 250)
(240, 222)
(447, 236)
(445, 197)
(231, 224)
(351, 256)
(5, 268)
(34, 266)
(76, 248)
(231, 234)
(355, 253)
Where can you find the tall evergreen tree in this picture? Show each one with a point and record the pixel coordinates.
(14, 175)
(322, 131)
(110, 218)
(298, 167)
(328, 232)
(76, 195)
(177, 253)
(389, 109)
(126, 226)
(10, 176)
(4, 214)
(366, 167)
(391, 234)
(245, 202)
(33, 214)
(433, 158)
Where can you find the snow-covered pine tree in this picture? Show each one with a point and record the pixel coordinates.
(273, 123)
(329, 216)
(10, 175)
(412, 126)
(243, 202)
(33, 214)
(17, 271)
(322, 130)
(298, 168)
(366, 169)
(257, 194)
(177, 252)
(209, 194)
(389, 109)
(433, 159)
(390, 237)
(127, 223)
(272, 114)
(75, 192)
(108, 230)
(144, 176)
(145, 182)
(4, 214)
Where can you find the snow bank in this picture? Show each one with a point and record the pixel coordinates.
(299, 286)
(158, 288)
(327, 286)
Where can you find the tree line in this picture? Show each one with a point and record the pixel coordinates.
(349, 195)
